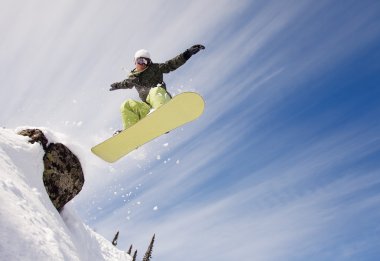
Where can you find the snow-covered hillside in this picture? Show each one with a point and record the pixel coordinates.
(30, 226)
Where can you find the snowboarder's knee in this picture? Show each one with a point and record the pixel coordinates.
(157, 97)
(128, 105)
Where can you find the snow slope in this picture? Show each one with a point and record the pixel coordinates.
(30, 226)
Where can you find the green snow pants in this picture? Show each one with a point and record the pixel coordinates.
(132, 111)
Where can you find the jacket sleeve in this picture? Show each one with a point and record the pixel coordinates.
(126, 84)
(172, 64)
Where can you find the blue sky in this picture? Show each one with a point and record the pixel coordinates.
(284, 163)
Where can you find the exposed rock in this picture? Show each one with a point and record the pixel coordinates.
(35, 135)
(63, 175)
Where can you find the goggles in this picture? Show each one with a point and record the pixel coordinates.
(142, 60)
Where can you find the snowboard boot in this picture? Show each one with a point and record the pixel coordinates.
(116, 132)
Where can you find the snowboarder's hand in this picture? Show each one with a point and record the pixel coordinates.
(115, 86)
(193, 50)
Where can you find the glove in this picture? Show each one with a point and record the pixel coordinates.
(115, 86)
(193, 50)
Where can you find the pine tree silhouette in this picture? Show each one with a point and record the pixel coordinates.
(134, 256)
(130, 250)
(114, 241)
(148, 254)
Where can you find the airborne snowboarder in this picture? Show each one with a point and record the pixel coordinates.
(147, 78)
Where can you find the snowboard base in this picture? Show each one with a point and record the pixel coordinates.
(181, 109)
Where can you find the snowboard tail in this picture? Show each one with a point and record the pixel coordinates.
(181, 109)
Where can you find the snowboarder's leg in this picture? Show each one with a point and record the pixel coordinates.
(157, 97)
(133, 111)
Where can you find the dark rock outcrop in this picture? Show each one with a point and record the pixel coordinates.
(35, 135)
(63, 175)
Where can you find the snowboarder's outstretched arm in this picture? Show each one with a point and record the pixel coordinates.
(179, 60)
(126, 84)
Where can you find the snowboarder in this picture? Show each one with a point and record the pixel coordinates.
(147, 78)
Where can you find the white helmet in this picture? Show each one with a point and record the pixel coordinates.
(142, 53)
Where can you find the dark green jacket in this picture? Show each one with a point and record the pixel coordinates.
(152, 76)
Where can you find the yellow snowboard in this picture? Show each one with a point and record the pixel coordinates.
(183, 108)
